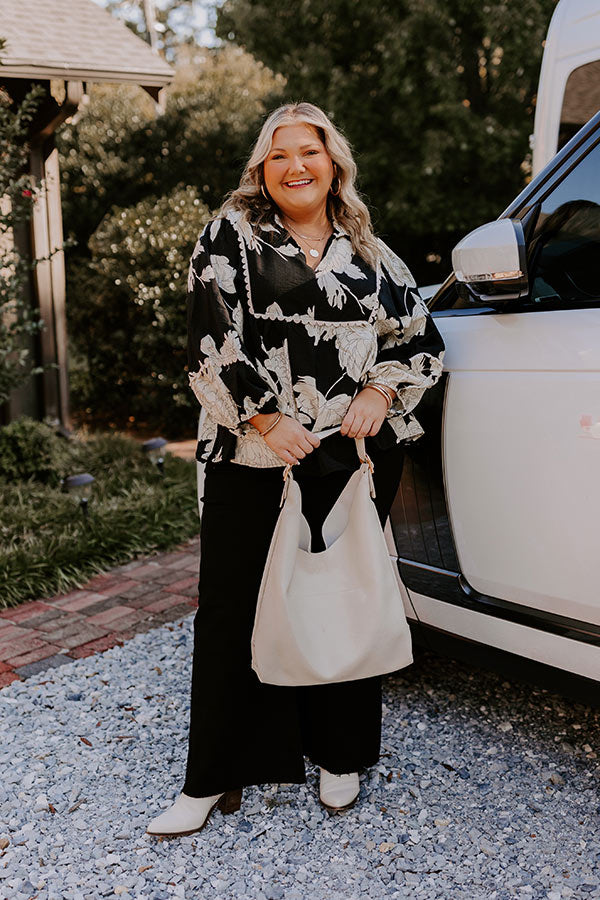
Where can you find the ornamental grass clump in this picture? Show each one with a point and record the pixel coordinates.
(48, 546)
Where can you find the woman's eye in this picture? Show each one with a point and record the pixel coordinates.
(278, 156)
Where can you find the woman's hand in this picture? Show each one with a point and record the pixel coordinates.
(365, 414)
(290, 440)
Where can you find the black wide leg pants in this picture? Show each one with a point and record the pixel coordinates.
(244, 732)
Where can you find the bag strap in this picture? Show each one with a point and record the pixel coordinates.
(363, 457)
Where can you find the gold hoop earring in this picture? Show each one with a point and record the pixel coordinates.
(264, 193)
(335, 193)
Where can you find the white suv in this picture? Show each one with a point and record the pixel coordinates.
(497, 521)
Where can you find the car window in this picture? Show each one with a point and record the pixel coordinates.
(564, 248)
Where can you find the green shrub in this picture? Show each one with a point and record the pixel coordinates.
(30, 449)
(127, 310)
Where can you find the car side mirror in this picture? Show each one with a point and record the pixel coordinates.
(491, 262)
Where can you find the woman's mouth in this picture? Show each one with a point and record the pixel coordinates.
(298, 183)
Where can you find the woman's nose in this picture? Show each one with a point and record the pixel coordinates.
(297, 164)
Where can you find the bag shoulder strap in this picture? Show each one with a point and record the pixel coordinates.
(363, 457)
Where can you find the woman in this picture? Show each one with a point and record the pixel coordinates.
(299, 320)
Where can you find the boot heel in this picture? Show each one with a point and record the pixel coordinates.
(230, 801)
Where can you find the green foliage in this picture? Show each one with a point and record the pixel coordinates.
(30, 449)
(128, 312)
(47, 546)
(436, 96)
(136, 191)
(18, 321)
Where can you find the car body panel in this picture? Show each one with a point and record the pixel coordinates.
(525, 521)
(545, 647)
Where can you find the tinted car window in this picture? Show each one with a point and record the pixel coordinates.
(565, 246)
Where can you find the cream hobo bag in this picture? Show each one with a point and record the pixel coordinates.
(336, 615)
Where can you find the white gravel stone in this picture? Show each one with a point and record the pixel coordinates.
(473, 798)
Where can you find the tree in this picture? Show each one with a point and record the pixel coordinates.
(177, 22)
(18, 320)
(436, 96)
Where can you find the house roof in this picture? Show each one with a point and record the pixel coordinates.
(75, 40)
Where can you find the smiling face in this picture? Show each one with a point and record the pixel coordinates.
(298, 171)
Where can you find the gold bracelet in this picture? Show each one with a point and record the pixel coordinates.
(271, 426)
(383, 393)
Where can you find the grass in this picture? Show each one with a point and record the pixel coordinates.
(48, 547)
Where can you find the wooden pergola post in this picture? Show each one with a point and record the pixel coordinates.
(94, 47)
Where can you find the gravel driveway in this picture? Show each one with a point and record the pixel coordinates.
(485, 789)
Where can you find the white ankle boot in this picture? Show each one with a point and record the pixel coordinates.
(338, 792)
(190, 814)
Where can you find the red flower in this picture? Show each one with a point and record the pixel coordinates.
(27, 193)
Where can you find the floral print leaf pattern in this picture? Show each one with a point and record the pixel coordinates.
(315, 407)
(277, 362)
(321, 330)
(288, 250)
(224, 273)
(420, 373)
(199, 247)
(207, 274)
(334, 291)
(307, 398)
(191, 279)
(254, 451)
(340, 260)
(274, 311)
(267, 335)
(369, 303)
(237, 317)
(398, 271)
(214, 228)
(230, 352)
(245, 231)
(357, 348)
(332, 411)
(213, 394)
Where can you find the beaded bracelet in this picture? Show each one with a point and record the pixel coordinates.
(383, 391)
(272, 425)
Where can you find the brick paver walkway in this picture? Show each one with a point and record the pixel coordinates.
(108, 610)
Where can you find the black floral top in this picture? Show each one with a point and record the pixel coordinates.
(266, 332)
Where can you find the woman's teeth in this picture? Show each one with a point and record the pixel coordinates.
(299, 183)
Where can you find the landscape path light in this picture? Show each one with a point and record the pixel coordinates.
(154, 450)
(80, 486)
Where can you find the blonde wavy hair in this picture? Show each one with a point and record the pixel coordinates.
(347, 209)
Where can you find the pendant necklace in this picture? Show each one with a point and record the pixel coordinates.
(314, 253)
